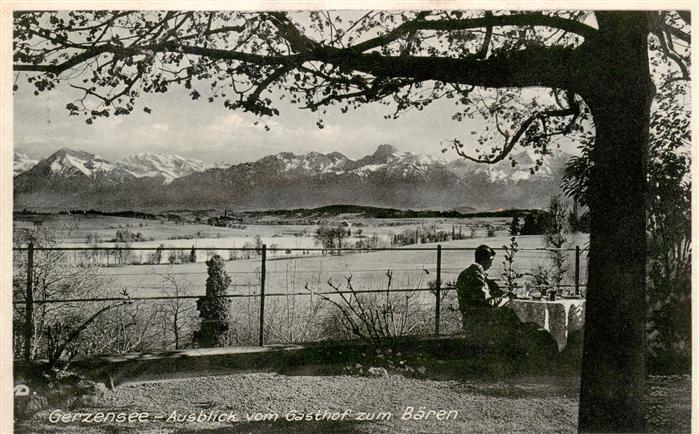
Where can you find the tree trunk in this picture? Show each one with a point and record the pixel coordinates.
(619, 95)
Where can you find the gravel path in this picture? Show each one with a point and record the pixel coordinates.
(525, 406)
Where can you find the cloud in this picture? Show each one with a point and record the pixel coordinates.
(161, 127)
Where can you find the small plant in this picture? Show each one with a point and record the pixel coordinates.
(64, 336)
(555, 238)
(509, 275)
(539, 279)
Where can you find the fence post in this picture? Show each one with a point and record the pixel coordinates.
(29, 304)
(263, 272)
(577, 270)
(438, 287)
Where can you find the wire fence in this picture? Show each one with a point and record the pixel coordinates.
(260, 274)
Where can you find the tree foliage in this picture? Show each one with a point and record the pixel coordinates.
(515, 227)
(669, 223)
(480, 61)
(331, 237)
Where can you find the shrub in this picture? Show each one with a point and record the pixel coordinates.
(126, 236)
(331, 237)
(213, 308)
(514, 226)
(374, 317)
(534, 223)
(59, 329)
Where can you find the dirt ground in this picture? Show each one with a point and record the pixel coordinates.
(543, 404)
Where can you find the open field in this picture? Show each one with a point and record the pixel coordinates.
(288, 273)
(74, 230)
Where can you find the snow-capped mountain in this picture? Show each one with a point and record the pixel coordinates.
(390, 159)
(68, 162)
(170, 167)
(522, 166)
(388, 178)
(313, 163)
(70, 172)
(22, 163)
(385, 158)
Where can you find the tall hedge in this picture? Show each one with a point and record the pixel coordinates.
(213, 308)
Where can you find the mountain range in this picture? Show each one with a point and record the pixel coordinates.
(71, 179)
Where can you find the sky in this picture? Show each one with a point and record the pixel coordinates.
(213, 133)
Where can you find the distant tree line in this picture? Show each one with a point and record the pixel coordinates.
(537, 221)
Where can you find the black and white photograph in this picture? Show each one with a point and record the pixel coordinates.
(346, 218)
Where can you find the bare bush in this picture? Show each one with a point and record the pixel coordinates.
(126, 329)
(177, 313)
(293, 318)
(376, 316)
(60, 325)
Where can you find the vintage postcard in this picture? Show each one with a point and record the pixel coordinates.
(310, 217)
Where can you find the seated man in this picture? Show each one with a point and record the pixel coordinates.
(486, 318)
(481, 300)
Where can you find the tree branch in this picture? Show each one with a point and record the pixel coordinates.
(298, 41)
(673, 56)
(535, 66)
(530, 19)
(677, 33)
(686, 16)
(488, 36)
(573, 110)
(251, 104)
(553, 67)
